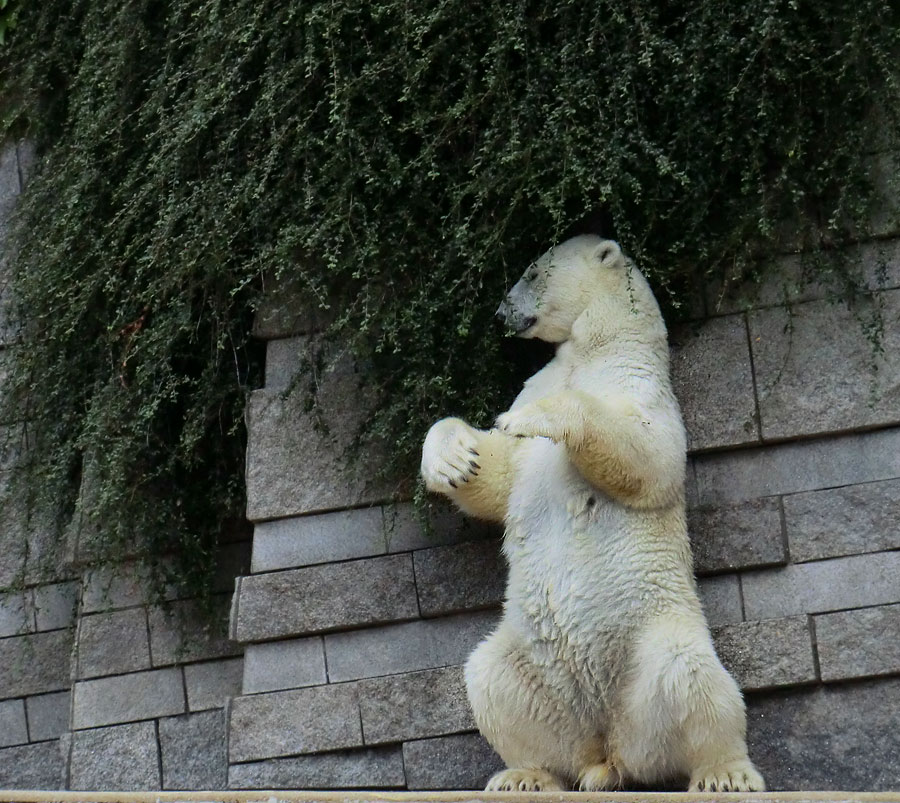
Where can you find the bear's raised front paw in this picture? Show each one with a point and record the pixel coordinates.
(528, 421)
(523, 781)
(449, 456)
(733, 776)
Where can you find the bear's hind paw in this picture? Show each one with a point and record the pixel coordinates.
(735, 776)
(523, 781)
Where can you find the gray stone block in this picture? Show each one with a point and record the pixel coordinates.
(286, 310)
(16, 613)
(55, 604)
(425, 644)
(831, 737)
(462, 761)
(107, 588)
(307, 461)
(721, 598)
(886, 216)
(110, 643)
(27, 160)
(859, 643)
(460, 577)
(320, 598)
(35, 664)
(13, 729)
(192, 750)
(713, 379)
(125, 698)
(181, 631)
(48, 715)
(740, 536)
(822, 586)
(284, 665)
(357, 533)
(32, 766)
(9, 178)
(802, 466)
(122, 757)
(213, 683)
(414, 705)
(13, 537)
(376, 768)
(817, 372)
(284, 723)
(764, 655)
(843, 521)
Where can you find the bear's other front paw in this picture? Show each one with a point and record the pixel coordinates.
(449, 456)
(735, 776)
(523, 781)
(528, 421)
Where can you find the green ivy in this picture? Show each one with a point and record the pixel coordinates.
(400, 162)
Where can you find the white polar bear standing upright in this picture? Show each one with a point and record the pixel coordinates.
(602, 670)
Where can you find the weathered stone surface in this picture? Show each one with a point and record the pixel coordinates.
(802, 466)
(121, 757)
(826, 585)
(284, 723)
(287, 310)
(713, 380)
(35, 664)
(16, 613)
(284, 665)
(109, 643)
(357, 533)
(413, 705)
(461, 761)
(460, 577)
(738, 536)
(843, 521)
(32, 766)
(764, 655)
(125, 698)
(832, 737)
(408, 647)
(181, 631)
(107, 588)
(13, 729)
(302, 461)
(859, 643)
(816, 370)
(721, 598)
(192, 749)
(54, 605)
(319, 598)
(48, 715)
(212, 683)
(13, 537)
(9, 178)
(886, 215)
(376, 768)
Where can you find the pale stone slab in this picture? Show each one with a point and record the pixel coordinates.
(192, 750)
(802, 466)
(831, 737)
(461, 761)
(740, 536)
(16, 613)
(55, 604)
(414, 705)
(288, 310)
(181, 632)
(843, 521)
(376, 768)
(35, 663)
(300, 721)
(713, 380)
(408, 647)
(13, 729)
(212, 683)
(859, 643)
(460, 577)
(125, 698)
(48, 715)
(822, 586)
(765, 655)
(121, 757)
(817, 372)
(32, 766)
(111, 643)
(288, 664)
(320, 598)
(721, 598)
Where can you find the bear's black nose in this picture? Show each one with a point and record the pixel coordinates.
(500, 314)
(528, 323)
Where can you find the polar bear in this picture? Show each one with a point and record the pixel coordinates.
(602, 671)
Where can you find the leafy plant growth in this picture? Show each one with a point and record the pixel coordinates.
(401, 162)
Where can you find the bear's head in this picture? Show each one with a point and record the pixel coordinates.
(586, 272)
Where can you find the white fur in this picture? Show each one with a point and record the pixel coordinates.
(602, 670)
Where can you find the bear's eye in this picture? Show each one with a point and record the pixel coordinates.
(531, 275)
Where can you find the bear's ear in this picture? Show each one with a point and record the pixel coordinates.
(608, 254)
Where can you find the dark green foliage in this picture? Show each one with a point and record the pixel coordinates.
(402, 162)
